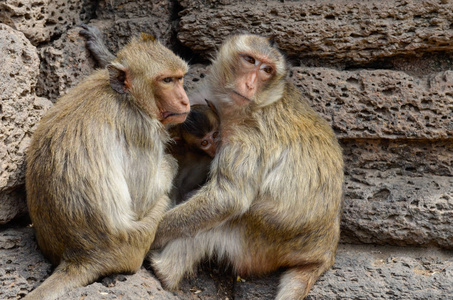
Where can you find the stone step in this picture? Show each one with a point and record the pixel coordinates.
(360, 272)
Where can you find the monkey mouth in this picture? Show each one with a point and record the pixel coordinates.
(242, 96)
(169, 114)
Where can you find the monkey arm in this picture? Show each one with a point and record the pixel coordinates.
(228, 193)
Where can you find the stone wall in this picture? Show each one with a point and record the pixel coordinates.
(381, 72)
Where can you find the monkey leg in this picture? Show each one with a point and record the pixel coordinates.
(64, 278)
(180, 256)
(122, 253)
(177, 258)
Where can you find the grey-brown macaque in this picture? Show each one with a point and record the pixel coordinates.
(97, 176)
(274, 192)
(195, 144)
(195, 140)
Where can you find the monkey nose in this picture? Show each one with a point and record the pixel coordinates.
(184, 99)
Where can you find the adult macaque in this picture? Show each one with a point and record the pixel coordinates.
(97, 174)
(196, 139)
(274, 194)
(196, 142)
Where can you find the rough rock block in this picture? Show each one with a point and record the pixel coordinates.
(380, 103)
(355, 31)
(120, 20)
(194, 78)
(20, 111)
(64, 64)
(398, 193)
(40, 20)
(369, 272)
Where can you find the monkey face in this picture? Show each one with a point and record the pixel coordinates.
(252, 73)
(248, 69)
(209, 143)
(171, 99)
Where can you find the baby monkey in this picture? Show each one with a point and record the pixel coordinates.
(195, 145)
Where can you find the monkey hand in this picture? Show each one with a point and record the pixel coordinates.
(95, 44)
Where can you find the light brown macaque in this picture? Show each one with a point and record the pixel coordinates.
(274, 193)
(196, 142)
(97, 176)
(196, 139)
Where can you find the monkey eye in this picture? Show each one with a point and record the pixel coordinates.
(204, 143)
(249, 59)
(167, 79)
(215, 134)
(267, 69)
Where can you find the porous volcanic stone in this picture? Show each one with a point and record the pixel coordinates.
(40, 20)
(380, 103)
(355, 31)
(398, 193)
(120, 20)
(20, 111)
(64, 64)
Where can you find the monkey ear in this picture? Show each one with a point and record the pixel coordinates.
(271, 40)
(148, 37)
(211, 106)
(119, 78)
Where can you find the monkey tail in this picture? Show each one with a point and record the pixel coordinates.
(297, 281)
(65, 277)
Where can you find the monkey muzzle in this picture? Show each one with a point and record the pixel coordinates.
(169, 114)
(242, 96)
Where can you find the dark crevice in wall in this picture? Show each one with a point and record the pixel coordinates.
(415, 65)
(89, 10)
(185, 52)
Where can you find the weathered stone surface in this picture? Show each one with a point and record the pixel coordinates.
(195, 77)
(12, 202)
(360, 272)
(120, 20)
(380, 103)
(63, 65)
(40, 20)
(356, 31)
(398, 193)
(21, 264)
(367, 272)
(20, 110)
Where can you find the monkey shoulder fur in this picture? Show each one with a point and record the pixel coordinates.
(274, 193)
(97, 175)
